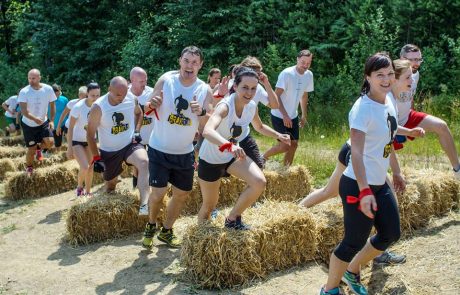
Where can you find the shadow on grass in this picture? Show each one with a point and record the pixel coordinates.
(7, 205)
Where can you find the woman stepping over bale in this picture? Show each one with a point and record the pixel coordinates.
(77, 138)
(331, 190)
(367, 199)
(221, 155)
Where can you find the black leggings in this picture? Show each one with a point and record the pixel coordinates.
(358, 226)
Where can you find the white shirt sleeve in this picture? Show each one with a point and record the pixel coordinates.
(262, 95)
(309, 87)
(22, 97)
(75, 112)
(359, 118)
(52, 96)
(281, 83)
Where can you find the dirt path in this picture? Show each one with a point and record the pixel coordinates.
(35, 261)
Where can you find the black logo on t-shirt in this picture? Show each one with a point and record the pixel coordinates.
(181, 104)
(119, 126)
(392, 127)
(235, 131)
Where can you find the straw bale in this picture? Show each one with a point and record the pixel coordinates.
(12, 140)
(43, 182)
(282, 235)
(289, 184)
(104, 216)
(12, 152)
(329, 219)
(6, 165)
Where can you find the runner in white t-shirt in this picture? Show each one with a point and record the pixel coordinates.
(367, 199)
(34, 100)
(293, 86)
(10, 106)
(117, 118)
(221, 154)
(179, 100)
(77, 138)
(410, 118)
(139, 89)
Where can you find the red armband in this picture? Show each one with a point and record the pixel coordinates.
(218, 96)
(155, 111)
(96, 158)
(362, 194)
(226, 147)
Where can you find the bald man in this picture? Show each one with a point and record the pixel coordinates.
(35, 99)
(117, 118)
(142, 92)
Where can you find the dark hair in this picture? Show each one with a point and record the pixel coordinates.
(212, 72)
(374, 63)
(192, 50)
(408, 48)
(91, 86)
(56, 87)
(243, 72)
(231, 69)
(304, 52)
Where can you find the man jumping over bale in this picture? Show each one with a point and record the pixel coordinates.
(117, 118)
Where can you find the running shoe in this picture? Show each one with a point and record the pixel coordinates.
(167, 236)
(29, 170)
(149, 233)
(236, 224)
(353, 282)
(387, 258)
(80, 192)
(335, 291)
(144, 210)
(38, 155)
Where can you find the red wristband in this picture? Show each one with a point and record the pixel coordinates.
(362, 194)
(155, 111)
(218, 96)
(96, 158)
(226, 147)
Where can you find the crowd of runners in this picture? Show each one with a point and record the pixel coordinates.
(183, 124)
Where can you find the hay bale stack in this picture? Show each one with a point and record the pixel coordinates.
(329, 219)
(6, 165)
(12, 140)
(429, 193)
(283, 235)
(12, 152)
(43, 182)
(104, 216)
(289, 184)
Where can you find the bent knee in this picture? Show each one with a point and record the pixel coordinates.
(259, 183)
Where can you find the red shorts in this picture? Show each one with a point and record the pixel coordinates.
(414, 120)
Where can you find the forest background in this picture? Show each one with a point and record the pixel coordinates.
(74, 42)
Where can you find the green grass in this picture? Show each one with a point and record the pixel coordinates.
(9, 228)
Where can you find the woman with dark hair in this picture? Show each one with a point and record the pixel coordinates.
(221, 155)
(367, 199)
(77, 138)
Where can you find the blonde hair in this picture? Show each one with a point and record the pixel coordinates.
(251, 62)
(400, 66)
(82, 90)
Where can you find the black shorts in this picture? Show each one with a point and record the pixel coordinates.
(213, 172)
(58, 138)
(345, 154)
(113, 160)
(35, 135)
(278, 125)
(175, 169)
(82, 143)
(251, 149)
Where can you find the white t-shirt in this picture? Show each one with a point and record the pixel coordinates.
(405, 101)
(70, 105)
(117, 125)
(294, 86)
(12, 103)
(379, 123)
(80, 111)
(175, 131)
(147, 120)
(231, 128)
(37, 102)
(261, 96)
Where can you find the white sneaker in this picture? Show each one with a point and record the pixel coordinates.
(144, 210)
